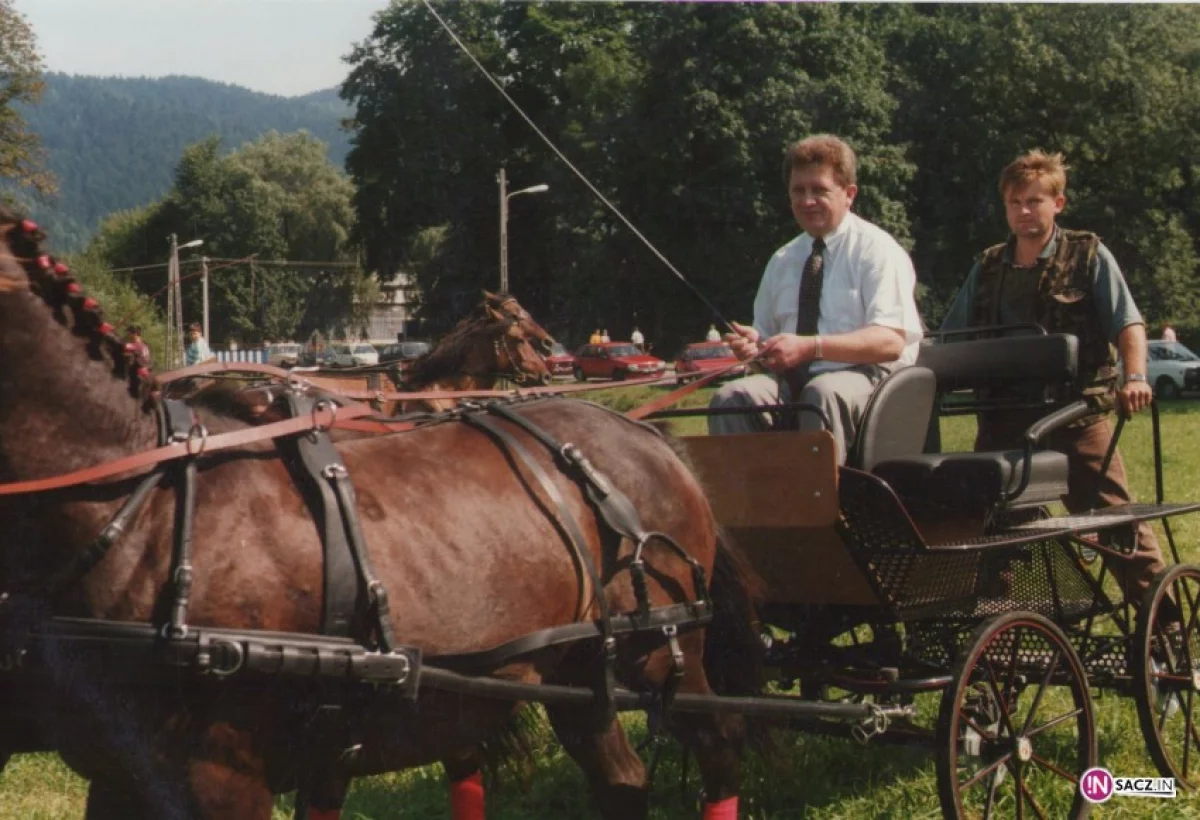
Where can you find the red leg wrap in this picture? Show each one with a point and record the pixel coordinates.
(466, 798)
(324, 814)
(721, 810)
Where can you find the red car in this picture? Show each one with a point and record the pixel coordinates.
(701, 358)
(560, 362)
(615, 360)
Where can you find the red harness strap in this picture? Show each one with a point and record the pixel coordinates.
(327, 418)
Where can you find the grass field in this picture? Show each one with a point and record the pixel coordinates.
(810, 777)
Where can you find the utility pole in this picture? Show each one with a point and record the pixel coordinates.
(503, 231)
(173, 340)
(204, 280)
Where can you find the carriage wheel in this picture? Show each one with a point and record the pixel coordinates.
(1166, 669)
(1016, 729)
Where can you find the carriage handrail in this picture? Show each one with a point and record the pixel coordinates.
(1037, 431)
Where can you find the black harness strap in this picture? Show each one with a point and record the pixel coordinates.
(605, 699)
(180, 424)
(316, 454)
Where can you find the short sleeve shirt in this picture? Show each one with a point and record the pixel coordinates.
(869, 280)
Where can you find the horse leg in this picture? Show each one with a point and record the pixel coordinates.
(716, 740)
(323, 797)
(106, 801)
(613, 769)
(465, 779)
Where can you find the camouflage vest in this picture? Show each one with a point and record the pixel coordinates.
(1065, 304)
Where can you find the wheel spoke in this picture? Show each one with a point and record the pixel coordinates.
(1054, 768)
(1053, 723)
(986, 734)
(1037, 697)
(1032, 802)
(1012, 667)
(1188, 731)
(991, 796)
(1020, 790)
(985, 771)
(999, 700)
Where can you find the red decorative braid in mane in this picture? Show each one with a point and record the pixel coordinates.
(54, 282)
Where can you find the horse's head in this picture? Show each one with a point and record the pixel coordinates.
(516, 356)
(504, 307)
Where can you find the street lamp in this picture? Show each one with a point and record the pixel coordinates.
(175, 300)
(504, 198)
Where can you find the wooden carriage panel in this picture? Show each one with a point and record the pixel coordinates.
(776, 494)
(768, 479)
(804, 565)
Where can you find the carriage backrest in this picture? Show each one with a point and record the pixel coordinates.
(894, 422)
(1043, 360)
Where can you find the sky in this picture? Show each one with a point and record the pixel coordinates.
(286, 47)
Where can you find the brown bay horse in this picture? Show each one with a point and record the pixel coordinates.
(499, 340)
(459, 533)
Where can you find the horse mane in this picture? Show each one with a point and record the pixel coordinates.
(58, 288)
(450, 354)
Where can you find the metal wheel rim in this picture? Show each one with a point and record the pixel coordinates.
(1010, 755)
(1168, 670)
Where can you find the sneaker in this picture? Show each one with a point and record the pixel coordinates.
(1168, 703)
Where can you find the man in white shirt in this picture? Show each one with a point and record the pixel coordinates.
(829, 342)
(638, 339)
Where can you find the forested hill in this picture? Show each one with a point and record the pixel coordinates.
(113, 143)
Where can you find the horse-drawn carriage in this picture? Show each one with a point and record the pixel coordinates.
(910, 572)
(216, 603)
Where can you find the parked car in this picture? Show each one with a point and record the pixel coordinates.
(700, 358)
(615, 360)
(1171, 369)
(403, 352)
(560, 362)
(286, 354)
(357, 354)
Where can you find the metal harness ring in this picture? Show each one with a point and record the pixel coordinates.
(324, 404)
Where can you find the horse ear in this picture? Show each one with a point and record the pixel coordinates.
(493, 314)
(490, 297)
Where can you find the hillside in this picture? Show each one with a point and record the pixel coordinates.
(113, 142)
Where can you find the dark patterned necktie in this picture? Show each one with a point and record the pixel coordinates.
(810, 290)
(807, 313)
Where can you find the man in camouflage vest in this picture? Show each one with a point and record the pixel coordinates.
(1067, 282)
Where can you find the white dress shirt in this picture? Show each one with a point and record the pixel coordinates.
(869, 280)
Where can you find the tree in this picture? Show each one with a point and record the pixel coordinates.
(21, 155)
(275, 198)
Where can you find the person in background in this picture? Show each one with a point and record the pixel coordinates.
(1066, 281)
(133, 336)
(1168, 334)
(604, 337)
(197, 350)
(835, 310)
(594, 339)
(638, 339)
(713, 334)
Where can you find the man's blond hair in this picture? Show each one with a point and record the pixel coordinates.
(1036, 164)
(823, 150)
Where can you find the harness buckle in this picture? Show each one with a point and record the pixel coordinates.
(197, 432)
(334, 471)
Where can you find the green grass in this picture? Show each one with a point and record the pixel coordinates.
(811, 777)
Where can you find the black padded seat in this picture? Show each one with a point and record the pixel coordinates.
(976, 482)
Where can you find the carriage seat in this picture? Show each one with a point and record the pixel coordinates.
(894, 430)
(974, 482)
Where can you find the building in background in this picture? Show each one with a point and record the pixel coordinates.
(393, 316)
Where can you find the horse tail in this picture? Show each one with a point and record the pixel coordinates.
(733, 647)
(733, 650)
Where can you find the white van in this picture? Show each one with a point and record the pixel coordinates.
(359, 354)
(284, 355)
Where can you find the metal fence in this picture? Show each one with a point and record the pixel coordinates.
(256, 355)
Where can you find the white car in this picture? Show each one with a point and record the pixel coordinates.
(1171, 369)
(352, 355)
(284, 355)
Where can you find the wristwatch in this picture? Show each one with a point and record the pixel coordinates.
(1134, 377)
